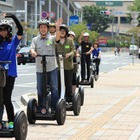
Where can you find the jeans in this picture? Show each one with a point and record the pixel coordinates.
(52, 78)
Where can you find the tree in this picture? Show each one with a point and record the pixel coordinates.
(98, 22)
(134, 7)
(82, 27)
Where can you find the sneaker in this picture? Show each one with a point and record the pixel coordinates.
(53, 111)
(11, 125)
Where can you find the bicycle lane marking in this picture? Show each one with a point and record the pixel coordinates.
(96, 124)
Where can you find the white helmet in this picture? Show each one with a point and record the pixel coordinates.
(71, 33)
(7, 24)
(86, 34)
(43, 22)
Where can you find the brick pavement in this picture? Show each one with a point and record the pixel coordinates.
(111, 111)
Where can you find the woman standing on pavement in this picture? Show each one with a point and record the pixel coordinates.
(8, 46)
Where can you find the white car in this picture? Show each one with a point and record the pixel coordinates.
(133, 49)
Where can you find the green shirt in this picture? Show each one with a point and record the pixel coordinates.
(66, 47)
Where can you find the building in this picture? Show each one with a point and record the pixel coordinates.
(32, 10)
(120, 11)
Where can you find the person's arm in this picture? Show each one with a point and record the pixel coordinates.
(90, 51)
(99, 55)
(18, 24)
(32, 49)
(71, 53)
(80, 38)
(57, 24)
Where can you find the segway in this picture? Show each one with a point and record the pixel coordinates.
(90, 82)
(20, 121)
(81, 89)
(34, 113)
(93, 68)
(75, 103)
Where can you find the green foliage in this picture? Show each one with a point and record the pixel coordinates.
(99, 23)
(134, 7)
(110, 43)
(81, 27)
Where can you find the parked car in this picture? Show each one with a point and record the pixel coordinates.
(24, 56)
(133, 49)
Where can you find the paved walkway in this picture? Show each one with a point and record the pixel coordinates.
(111, 111)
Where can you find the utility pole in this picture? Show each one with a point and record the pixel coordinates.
(25, 35)
(35, 14)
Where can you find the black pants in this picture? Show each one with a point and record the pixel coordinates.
(97, 62)
(7, 93)
(1, 104)
(85, 61)
(68, 74)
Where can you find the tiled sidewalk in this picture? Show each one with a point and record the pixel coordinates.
(111, 111)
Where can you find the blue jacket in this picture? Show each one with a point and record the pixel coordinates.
(8, 53)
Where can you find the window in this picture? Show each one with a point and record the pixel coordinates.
(115, 19)
(123, 20)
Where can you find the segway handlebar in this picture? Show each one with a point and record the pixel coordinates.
(5, 62)
(46, 55)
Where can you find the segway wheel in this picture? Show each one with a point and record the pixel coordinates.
(20, 126)
(31, 109)
(61, 112)
(81, 92)
(92, 81)
(77, 81)
(76, 104)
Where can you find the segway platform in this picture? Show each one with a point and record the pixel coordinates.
(20, 127)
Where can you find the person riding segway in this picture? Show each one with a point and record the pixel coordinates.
(15, 125)
(66, 48)
(76, 77)
(96, 58)
(19, 131)
(46, 66)
(86, 49)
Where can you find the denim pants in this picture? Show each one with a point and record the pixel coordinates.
(52, 78)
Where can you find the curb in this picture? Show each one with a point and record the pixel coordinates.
(26, 97)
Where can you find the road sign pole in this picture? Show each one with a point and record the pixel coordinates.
(134, 23)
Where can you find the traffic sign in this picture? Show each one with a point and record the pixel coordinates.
(105, 13)
(42, 2)
(118, 12)
(134, 22)
(44, 14)
(73, 20)
(52, 14)
(134, 15)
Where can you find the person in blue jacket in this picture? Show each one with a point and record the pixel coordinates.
(8, 46)
(96, 56)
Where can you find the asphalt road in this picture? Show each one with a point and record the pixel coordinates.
(26, 80)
